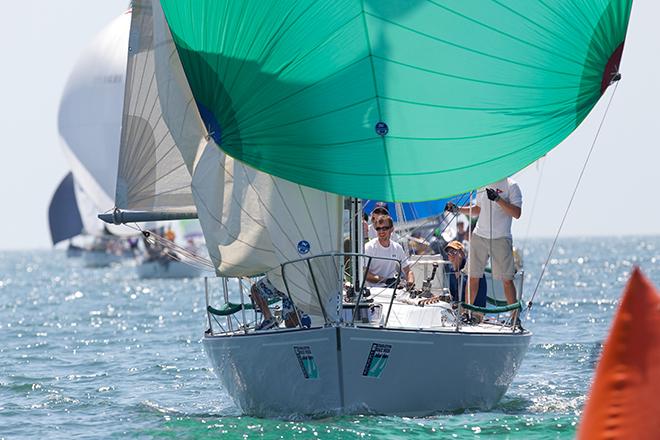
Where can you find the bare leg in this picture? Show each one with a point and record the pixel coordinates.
(511, 296)
(471, 296)
(471, 291)
(261, 302)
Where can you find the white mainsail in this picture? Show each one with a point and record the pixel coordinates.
(152, 175)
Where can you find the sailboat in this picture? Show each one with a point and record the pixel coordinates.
(288, 113)
(89, 123)
(64, 216)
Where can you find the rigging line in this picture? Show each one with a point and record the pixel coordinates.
(570, 202)
(191, 258)
(536, 198)
(445, 223)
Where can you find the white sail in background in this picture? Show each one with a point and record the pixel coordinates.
(152, 175)
(90, 113)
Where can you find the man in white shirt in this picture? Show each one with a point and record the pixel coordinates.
(382, 272)
(497, 205)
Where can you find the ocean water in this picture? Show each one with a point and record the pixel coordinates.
(98, 353)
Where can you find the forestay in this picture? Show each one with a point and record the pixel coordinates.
(393, 100)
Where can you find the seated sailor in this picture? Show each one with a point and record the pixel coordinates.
(456, 255)
(383, 273)
(261, 292)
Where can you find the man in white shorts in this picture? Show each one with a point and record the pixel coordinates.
(383, 272)
(497, 205)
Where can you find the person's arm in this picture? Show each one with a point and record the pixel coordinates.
(474, 210)
(467, 210)
(410, 276)
(509, 208)
(373, 278)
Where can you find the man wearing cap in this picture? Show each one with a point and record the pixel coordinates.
(456, 255)
(380, 209)
(383, 272)
(497, 205)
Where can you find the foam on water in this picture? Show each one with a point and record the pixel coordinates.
(98, 353)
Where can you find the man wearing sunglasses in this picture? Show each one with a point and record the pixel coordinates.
(383, 273)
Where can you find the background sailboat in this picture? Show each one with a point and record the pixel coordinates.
(89, 123)
(64, 216)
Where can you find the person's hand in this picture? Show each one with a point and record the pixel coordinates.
(450, 207)
(492, 194)
(390, 282)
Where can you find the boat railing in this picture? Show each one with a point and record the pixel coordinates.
(238, 316)
(323, 286)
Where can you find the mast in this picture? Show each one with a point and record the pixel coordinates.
(356, 239)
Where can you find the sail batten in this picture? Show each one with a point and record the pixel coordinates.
(362, 98)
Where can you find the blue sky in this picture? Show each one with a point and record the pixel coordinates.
(41, 40)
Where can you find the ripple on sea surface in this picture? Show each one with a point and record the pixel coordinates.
(98, 353)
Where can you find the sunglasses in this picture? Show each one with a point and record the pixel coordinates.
(383, 228)
(452, 252)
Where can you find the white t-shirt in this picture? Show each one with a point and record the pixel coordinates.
(385, 268)
(508, 190)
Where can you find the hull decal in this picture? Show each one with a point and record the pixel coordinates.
(377, 360)
(306, 361)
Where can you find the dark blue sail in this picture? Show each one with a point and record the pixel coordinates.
(63, 213)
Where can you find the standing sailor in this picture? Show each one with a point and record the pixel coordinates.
(496, 205)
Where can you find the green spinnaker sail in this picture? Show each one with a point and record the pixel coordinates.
(395, 100)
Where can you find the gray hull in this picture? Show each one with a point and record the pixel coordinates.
(96, 259)
(355, 370)
(169, 269)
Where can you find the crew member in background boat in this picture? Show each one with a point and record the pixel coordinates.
(497, 205)
(261, 292)
(170, 235)
(456, 255)
(384, 272)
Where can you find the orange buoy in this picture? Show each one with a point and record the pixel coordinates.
(624, 401)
